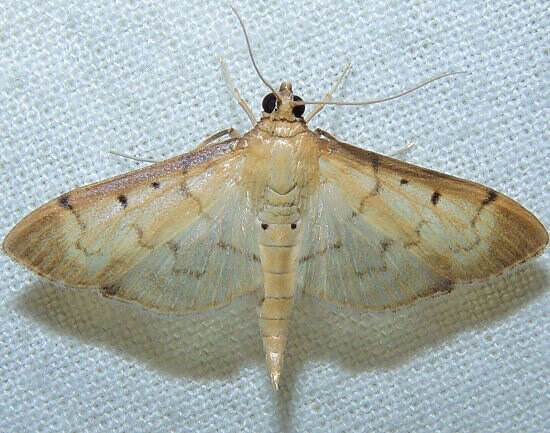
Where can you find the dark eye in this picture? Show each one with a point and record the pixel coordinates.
(298, 110)
(269, 103)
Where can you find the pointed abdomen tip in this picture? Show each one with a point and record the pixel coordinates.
(275, 381)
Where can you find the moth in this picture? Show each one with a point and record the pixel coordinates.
(279, 212)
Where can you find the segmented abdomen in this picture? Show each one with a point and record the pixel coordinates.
(279, 245)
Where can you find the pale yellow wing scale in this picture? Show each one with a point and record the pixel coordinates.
(384, 233)
(161, 236)
(208, 264)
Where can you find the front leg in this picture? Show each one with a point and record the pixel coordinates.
(231, 132)
(396, 154)
(322, 133)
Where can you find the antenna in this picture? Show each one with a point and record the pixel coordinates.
(252, 55)
(385, 98)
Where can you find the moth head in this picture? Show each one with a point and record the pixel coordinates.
(282, 105)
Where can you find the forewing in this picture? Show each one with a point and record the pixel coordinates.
(206, 265)
(164, 236)
(384, 233)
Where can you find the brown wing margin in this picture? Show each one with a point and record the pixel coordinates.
(181, 164)
(87, 217)
(519, 234)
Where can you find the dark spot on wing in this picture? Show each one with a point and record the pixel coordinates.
(385, 244)
(445, 286)
(123, 200)
(435, 197)
(108, 291)
(265, 226)
(155, 185)
(293, 226)
(374, 160)
(403, 181)
(64, 201)
(491, 196)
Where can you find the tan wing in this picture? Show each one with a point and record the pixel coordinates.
(174, 236)
(384, 233)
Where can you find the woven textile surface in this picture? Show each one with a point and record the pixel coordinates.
(78, 79)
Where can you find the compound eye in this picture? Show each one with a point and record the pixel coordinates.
(298, 110)
(269, 103)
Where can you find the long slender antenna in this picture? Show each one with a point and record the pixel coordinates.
(250, 51)
(385, 98)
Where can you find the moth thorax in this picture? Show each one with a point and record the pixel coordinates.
(280, 208)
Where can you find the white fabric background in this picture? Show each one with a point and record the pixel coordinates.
(80, 78)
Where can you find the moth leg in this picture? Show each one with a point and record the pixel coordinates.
(236, 94)
(231, 132)
(322, 133)
(135, 158)
(404, 149)
(328, 96)
(407, 147)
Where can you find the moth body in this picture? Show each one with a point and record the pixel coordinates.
(279, 211)
(280, 175)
